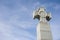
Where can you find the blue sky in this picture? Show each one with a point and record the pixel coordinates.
(16, 20)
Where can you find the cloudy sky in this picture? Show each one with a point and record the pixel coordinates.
(16, 21)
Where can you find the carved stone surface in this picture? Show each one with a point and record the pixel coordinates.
(43, 27)
(43, 31)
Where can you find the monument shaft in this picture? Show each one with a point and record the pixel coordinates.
(43, 31)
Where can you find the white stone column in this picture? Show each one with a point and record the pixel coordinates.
(43, 31)
(43, 27)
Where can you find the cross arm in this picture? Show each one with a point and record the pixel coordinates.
(36, 15)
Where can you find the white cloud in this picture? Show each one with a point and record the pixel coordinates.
(8, 32)
(25, 24)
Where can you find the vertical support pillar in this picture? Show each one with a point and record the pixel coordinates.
(43, 31)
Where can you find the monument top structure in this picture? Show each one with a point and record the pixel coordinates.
(42, 15)
(41, 9)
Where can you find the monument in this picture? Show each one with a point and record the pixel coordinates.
(43, 27)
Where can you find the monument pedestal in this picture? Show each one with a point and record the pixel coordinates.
(43, 31)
